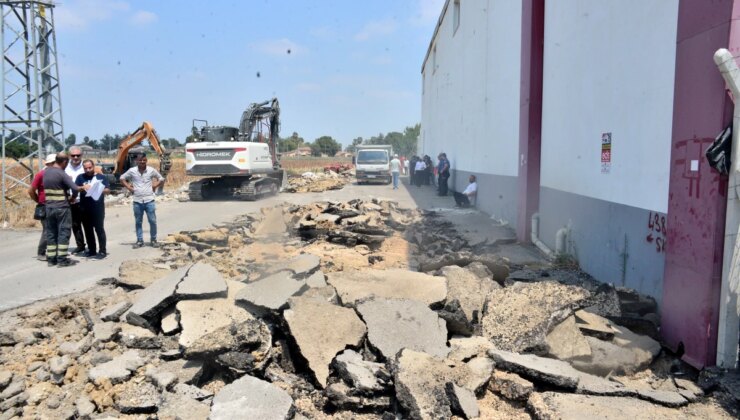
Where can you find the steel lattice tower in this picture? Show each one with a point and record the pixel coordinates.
(32, 104)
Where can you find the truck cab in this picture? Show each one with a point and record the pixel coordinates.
(372, 164)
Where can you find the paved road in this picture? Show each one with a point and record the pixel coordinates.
(23, 279)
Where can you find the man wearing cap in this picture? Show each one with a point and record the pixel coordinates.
(57, 187)
(395, 170)
(75, 169)
(36, 192)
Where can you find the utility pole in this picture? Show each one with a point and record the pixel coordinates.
(31, 98)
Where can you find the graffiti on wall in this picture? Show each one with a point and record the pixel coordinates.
(656, 231)
(690, 155)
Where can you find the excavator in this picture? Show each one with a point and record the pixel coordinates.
(236, 162)
(127, 152)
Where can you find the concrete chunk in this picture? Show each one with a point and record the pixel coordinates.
(354, 286)
(303, 265)
(170, 321)
(199, 318)
(364, 376)
(106, 331)
(317, 279)
(118, 369)
(270, 293)
(396, 324)
(137, 398)
(155, 298)
(251, 398)
(114, 312)
(176, 406)
(566, 342)
(518, 318)
(553, 405)
(469, 290)
(511, 385)
(321, 330)
(202, 281)
(462, 401)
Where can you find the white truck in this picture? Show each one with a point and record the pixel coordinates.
(373, 163)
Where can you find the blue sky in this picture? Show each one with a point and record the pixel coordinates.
(353, 68)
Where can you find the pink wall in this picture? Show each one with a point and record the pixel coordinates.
(530, 115)
(697, 199)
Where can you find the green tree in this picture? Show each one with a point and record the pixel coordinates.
(353, 147)
(325, 145)
(70, 140)
(17, 150)
(290, 143)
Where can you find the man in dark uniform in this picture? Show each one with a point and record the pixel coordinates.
(93, 209)
(60, 190)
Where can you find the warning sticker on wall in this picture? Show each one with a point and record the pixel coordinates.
(606, 152)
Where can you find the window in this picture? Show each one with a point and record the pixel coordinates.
(455, 16)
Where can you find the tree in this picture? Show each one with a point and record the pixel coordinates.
(17, 150)
(325, 145)
(352, 147)
(92, 143)
(109, 142)
(291, 143)
(70, 140)
(171, 143)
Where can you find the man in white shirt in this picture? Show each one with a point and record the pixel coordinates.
(75, 169)
(142, 181)
(395, 170)
(419, 173)
(463, 199)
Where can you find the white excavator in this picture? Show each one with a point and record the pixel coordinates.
(236, 162)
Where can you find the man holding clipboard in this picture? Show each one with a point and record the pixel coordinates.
(92, 203)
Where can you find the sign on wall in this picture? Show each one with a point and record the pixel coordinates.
(606, 152)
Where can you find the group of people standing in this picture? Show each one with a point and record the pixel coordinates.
(70, 200)
(423, 171)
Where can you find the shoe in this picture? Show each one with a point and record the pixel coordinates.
(153, 243)
(89, 254)
(66, 262)
(51, 262)
(41, 257)
(101, 255)
(138, 244)
(78, 250)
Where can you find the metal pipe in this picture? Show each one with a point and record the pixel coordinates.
(536, 240)
(729, 309)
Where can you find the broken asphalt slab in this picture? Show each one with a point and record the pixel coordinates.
(251, 398)
(271, 293)
(155, 298)
(394, 324)
(201, 282)
(354, 286)
(321, 330)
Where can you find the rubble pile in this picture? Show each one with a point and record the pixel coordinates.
(264, 317)
(317, 181)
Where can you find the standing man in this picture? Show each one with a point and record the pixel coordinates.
(395, 170)
(443, 171)
(463, 199)
(420, 172)
(57, 187)
(142, 181)
(93, 209)
(74, 169)
(36, 192)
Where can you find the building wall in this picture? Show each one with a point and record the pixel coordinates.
(470, 100)
(608, 68)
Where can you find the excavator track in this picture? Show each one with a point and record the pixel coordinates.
(254, 189)
(195, 190)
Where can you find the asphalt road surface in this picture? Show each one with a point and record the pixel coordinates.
(24, 280)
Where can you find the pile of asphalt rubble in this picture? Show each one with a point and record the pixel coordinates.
(222, 326)
(317, 182)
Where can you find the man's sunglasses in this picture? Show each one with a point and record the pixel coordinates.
(76, 155)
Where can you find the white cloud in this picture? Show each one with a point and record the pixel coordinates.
(77, 15)
(376, 28)
(278, 47)
(308, 87)
(142, 17)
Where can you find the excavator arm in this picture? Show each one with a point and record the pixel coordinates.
(145, 132)
(257, 114)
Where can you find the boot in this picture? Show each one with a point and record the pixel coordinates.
(51, 261)
(66, 262)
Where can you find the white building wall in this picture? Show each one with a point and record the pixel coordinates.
(609, 67)
(470, 101)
